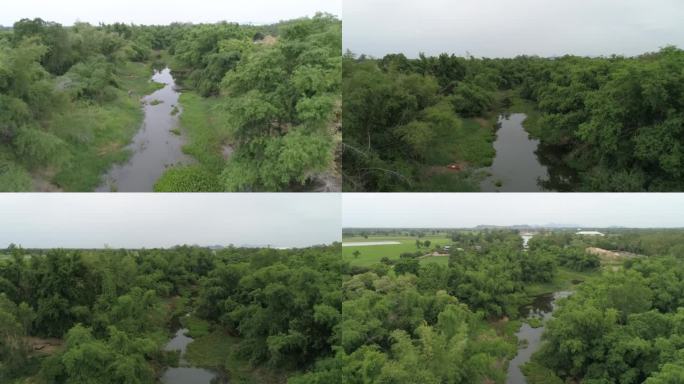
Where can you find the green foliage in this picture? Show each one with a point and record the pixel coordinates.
(429, 338)
(609, 331)
(281, 99)
(615, 123)
(273, 163)
(471, 100)
(40, 148)
(63, 114)
(187, 179)
(13, 178)
(67, 111)
(401, 118)
(119, 358)
(15, 323)
(284, 305)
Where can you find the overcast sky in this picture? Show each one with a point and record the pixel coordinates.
(136, 220)
(471, 209)
(505, 28)
(66, 12)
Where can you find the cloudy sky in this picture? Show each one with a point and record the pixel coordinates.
(66, 12)
(505, 28)
(472, 209)
(135, 220)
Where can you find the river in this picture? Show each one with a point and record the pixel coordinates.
(542, 308)
(155, 146)
(184, 373)
(523, 164)
(516, 167)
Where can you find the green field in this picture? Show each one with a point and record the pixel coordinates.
(372, 254)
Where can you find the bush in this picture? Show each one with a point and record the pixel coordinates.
(41, 148)
(13, 178)
(191, 178)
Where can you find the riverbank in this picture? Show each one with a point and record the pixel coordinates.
(218, 351)
(156, 146)
(208, 141)
(96, 135)
(522, 369)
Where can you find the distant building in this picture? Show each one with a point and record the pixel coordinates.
(589, 233)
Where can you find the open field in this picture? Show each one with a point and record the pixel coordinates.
(372, 254)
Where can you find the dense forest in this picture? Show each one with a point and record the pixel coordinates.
(259, 110)
(621, 324)
(104, 316)
(609, 123)
(309, 316)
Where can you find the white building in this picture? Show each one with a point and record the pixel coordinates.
(589, 233)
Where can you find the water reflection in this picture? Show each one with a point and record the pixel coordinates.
(155, 147)
(515, 167)
(523, 164)
(542, 307)
(185, 374)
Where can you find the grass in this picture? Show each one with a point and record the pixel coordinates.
(219, 351)
(99, 133)
(196, 327)
(372, 254)
(563, 281)
(537, 374)
(535, 322)
(474, 143)
(520, 105)
(206, 133)
(211, 350)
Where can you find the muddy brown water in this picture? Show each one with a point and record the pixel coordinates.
(154, 147)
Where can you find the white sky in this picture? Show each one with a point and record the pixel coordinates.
(66, 12)
(136, 220)
(416, 210)
(504, 28)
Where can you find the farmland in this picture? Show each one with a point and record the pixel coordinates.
(372, 254)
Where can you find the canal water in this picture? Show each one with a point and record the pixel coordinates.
(184, 373)
(155, 147)
(516, 167)
(542, 308)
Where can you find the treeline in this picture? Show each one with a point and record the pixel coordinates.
(626, 327)
(278, 99)
(651, 242)
(615, 122)
(112, 311)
